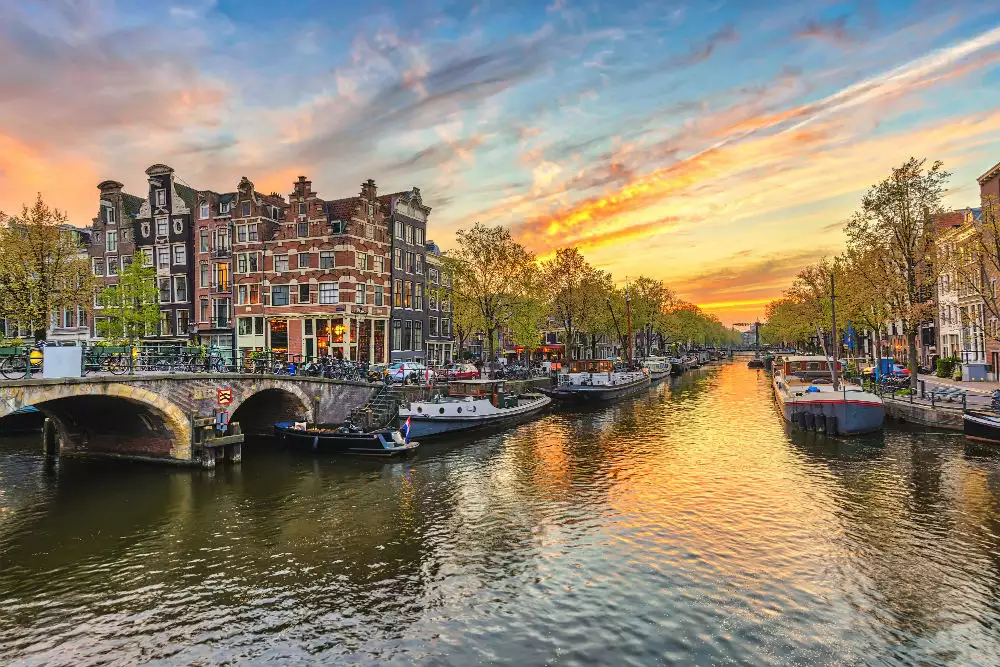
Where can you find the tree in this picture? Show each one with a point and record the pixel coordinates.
(525, 328)
(130, 308)
(494, 273)
(974, 260)
(650, 299)
(894, 223)
(565, 278)
(43, 267)
(465, 320)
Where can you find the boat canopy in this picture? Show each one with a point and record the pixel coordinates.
(475, 387)
(591, 366)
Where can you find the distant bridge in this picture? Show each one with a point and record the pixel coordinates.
(151, 416)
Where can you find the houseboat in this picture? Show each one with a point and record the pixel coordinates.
(591, 380)
(982, 425)
(803, 390)
(657, 367)
(469, 404)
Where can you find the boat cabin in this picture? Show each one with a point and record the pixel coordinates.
(806, 367)
(591, 366)
(491, 389)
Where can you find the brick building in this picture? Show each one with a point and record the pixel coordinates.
(111, 245)
(439, 341)
(407, 225)
(324, 278)
(989, 194)
(164, 231)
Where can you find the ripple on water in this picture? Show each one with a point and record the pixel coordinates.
(686, 526)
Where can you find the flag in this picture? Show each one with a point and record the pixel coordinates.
(406, 435)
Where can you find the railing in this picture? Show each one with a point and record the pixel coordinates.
(222, 253)
(221, 287)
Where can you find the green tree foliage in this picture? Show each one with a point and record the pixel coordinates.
(43, 267)
(570, 283)
(131, 308)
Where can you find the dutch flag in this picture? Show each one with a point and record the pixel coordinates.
(406, 435)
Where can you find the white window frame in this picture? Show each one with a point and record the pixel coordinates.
(111, 240)
(331, 287)
(166, 226)
(174, 255)
(161, 197)
(203, 210)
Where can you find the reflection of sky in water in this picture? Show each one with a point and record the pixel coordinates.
(686, 525)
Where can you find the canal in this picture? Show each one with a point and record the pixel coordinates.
(684, 526)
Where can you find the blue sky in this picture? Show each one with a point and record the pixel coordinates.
(717, 145)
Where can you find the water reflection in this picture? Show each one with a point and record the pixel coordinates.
(686, 525)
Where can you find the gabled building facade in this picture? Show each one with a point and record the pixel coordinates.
(164, 231)
(439, 341)
(111, 243)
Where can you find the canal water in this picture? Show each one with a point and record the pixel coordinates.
(684, 526)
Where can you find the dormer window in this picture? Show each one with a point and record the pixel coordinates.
(109, 215)
(371, 211)
(203, 210)
(302, 208)
(223, 208)
(246, 209)
(161, 197)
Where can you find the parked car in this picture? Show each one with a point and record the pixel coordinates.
(408, 372)
(463, 372)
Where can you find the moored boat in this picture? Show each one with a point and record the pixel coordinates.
(590, 380)
(658, 368)
(344, 439)
(804, 391)
(469, 404)
(982, 425)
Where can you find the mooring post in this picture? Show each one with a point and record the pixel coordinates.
(50, 443)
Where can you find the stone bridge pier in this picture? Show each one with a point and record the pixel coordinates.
(150, 416)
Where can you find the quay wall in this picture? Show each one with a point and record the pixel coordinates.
(947, 418)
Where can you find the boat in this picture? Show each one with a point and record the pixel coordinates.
(344, 439)
(676, 366)
(658, 368)
(596, 380)
(982, 425)
(469, 404)
(756, 362)
(804, 391)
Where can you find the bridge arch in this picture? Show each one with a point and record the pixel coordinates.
(271, 401)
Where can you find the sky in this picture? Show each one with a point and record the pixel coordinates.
(717, 145)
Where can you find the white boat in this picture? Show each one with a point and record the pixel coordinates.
(804, 391)
(596, 380)
(468, 404)
(658, 368)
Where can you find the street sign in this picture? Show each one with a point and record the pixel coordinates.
(225, 396)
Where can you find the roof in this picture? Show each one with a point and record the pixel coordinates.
(948, 220)
(131, 204)
(342, 209)
(188, 194)
(991, 173)
(227, 197)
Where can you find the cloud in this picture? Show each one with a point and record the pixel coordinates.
(702, 51)
(834, 31)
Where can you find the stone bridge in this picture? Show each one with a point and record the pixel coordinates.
(150, 416)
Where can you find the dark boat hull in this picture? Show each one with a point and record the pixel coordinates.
(379, 443)
(592, 394)
(982, 426)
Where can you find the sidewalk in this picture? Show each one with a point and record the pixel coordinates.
(984, 388)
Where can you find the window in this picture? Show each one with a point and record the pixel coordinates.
(398, 259)
(444, 328)
(326, 259)
(371, 210)
(147, 258)
(397, 335)
(304, 293)
(203, 310)
(369, 231)
(418, 335)
(125, 236)
(224, 208)
(304, 260)
(203, 240)
(407, 295)
(247, 262)
(161, 197)
(379, 264)
(164, 290)
(109, 215)
(248, 294)
(409, 234)
(126, 261)
(434, 276)
(360, 293)
(241, 233)
(432, 326)
(166, 323)
(329, 292)
(399, 229)
(162, 228)
(411, 262)
(359, 260)
(418, 264)
(162, 257)
(279, 295)
(97, 237)
(419, 234)
(397, 293)
(178, 225)
(220, 276)
(245, 326)
(220, 313)
(180, 256)
(444, 305)
(280, 263)
(182, 321)
(418, 296)
(112, 265)
(303, 229)
(203, 210)
(302, 208)
(180, 288)
(379, 295)
(98, 267)
(252, 232)
(245, 212)
(407, 335)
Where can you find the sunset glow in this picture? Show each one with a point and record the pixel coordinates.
(718, 146)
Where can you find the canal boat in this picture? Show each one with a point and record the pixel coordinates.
(803, 390)
(982, 425)
(596, 380)
(469, 404)
(344, 439)
(658, 368)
